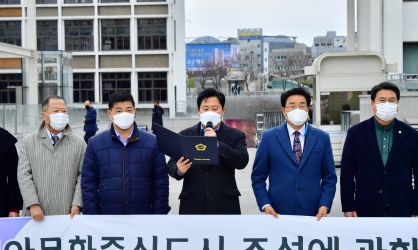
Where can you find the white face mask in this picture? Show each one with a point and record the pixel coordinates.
(210, 116)
(58, 121)
(297, 116)
(124, 120)
(386, 111)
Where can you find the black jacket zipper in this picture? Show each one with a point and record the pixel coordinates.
(123, 177)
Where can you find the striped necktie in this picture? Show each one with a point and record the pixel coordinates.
(55, 138)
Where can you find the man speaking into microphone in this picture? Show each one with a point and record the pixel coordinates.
(211, 189)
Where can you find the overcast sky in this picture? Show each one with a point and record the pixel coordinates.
(304, 19)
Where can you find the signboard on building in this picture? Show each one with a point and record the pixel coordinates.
(250, 34)
(198, 54)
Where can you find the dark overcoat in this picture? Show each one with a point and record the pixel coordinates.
(10, 197)
(364, 178)
(212, 189)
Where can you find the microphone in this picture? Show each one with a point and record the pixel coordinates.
(209, 124)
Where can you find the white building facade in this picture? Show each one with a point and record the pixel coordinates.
(388, 27)
(131, 45)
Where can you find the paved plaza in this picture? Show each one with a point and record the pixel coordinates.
(247, 199)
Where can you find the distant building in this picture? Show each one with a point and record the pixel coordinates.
(276, 55)
(218, 56)
(328, 43)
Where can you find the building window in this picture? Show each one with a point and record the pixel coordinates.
(78, 1)
(152, 86)
(152, 34)
(116, 34)
(279, 57)
(83, 87)
(10, 32)
(46, 1)
(79, 35)
(410, 62)
(175, 35)
(114, 1)
(8, 95)
(47, 35)
(9, 1)
(112, 82)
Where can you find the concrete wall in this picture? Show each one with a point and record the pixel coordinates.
(409, 21)
(41, 12)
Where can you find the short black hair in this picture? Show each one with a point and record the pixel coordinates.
(210, 93)
(346, 107)
(157, 102)
(385, 85)
(45, 102)
(295, 91)
(120, 96)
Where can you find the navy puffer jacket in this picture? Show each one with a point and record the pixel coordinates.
(118, 179)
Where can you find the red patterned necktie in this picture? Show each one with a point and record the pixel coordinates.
(297, 148)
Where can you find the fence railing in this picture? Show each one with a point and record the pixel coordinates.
(405, 82)
(267, 120)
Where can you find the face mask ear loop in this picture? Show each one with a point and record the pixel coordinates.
(49, 124)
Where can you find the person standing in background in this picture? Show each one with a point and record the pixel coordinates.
(157, 115)
(90, 121)
(10, 197)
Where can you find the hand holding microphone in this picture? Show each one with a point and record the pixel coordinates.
(209, 129)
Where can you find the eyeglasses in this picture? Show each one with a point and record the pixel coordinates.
(293, 107)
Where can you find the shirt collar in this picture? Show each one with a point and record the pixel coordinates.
(380, 127)
(290, 130)
(121, 138)
(50, 134)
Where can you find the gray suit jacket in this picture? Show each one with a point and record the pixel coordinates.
(50, 175)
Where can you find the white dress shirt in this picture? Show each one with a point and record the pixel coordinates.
(50, 135)
(302, 135)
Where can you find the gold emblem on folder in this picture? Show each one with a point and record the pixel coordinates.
(200, 147)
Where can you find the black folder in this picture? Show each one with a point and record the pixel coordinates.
(199, 149)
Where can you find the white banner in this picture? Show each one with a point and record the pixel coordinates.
(208, 232)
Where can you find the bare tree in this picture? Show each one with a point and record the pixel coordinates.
(216, 73)
(200, 76)
(290, 65)
(249, 68)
